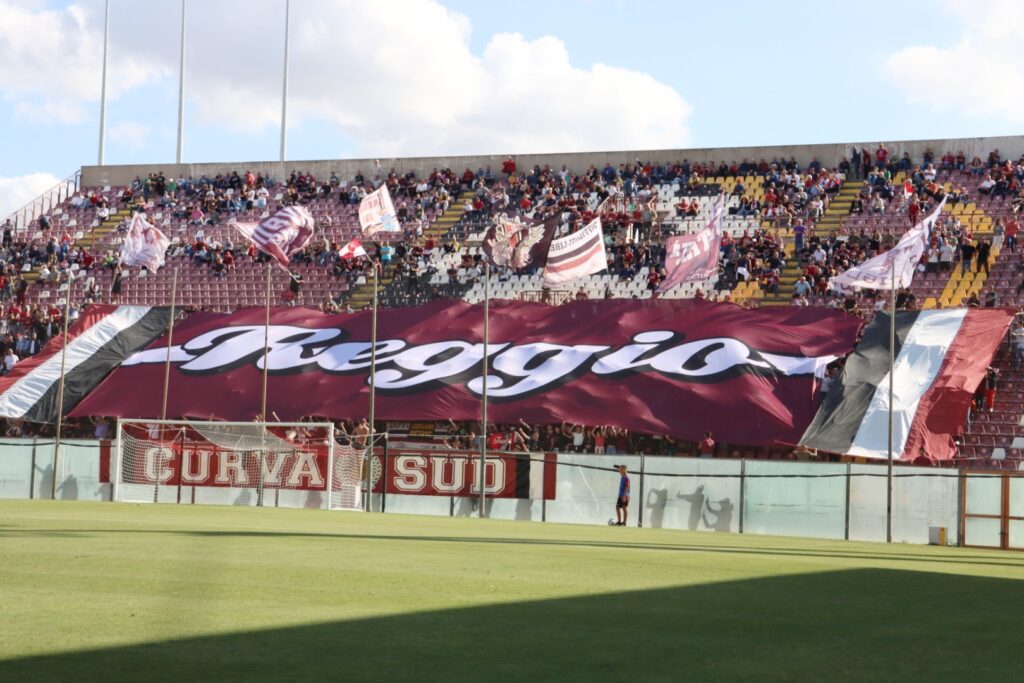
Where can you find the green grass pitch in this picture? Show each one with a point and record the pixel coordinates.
(113, 592)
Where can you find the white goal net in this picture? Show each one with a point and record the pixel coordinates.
(273, 464)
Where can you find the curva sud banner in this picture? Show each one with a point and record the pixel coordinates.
(675, 367)
(457, 473)
(415, 472)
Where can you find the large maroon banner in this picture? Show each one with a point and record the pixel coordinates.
(675, 367)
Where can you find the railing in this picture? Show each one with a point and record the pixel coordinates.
(555, 297)
(22, 218)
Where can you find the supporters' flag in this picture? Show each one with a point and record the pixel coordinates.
(144, 245)
(694, 258)
(352, 250)
(514, 244)
(282, 234)
(377, 212)
(876, 273)
(97, 342)
(576, 255)
(941, 357)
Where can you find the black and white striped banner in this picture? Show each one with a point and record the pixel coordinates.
(97, 343)
(940, 358)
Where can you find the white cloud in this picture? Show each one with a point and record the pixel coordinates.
(130, 133)
(17, 191)
(397, 78)
(982, 74)
(55, 56)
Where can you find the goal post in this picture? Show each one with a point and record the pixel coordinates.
(272, 464)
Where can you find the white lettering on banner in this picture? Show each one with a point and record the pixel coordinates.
(272, 465)
(231, 464)
(494, 477)
(157, 458)
(306, 469)
(561, 362)
(188, 476)
(442, 484)
(411, 476)
(519, 370)
(627, 357)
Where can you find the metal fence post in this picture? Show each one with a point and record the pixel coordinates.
(640, 507)
(846, 530)
(743, 490)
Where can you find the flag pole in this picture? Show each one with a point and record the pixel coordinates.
(483, 406)
(373, 386)
(167, 383)
(263, 390)
(170, 342)
(181, 89)
(892, 372)
(60, 396)
(103, 83)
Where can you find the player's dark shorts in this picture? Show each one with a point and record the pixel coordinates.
(622, 502)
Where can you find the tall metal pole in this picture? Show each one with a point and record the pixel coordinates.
(103, 82)
(892, 372)
(170, 342)
(266, 348)
(373, 388)
(483, 405)
(263, 390)
(167, 384)
(60, 397)
(181, 90)
(284, 93)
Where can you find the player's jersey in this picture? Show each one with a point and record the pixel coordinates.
(624, 487)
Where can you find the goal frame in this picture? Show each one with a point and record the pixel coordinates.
(119, 442)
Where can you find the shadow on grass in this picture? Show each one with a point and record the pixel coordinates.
(860, 553)
(857, 625)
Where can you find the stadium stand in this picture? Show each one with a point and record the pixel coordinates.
(788, 229)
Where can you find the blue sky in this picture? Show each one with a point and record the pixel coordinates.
(426, 77)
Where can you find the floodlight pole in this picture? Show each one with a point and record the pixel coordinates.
(60, 396)
(103, 83)
(483, 405)
(181, 89)
(284, 88)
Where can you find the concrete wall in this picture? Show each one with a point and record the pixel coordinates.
(827, 154)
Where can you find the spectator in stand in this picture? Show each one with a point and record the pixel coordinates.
(10, 360)
(706, 447)
(1017, 341)
(967, 251)
(984, 248)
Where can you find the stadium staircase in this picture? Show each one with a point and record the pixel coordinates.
(830, 223)
(88, 240)
(361, 296)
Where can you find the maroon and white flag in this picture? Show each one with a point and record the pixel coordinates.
(877, 272)
(694, 258)
(144, 245)
(282, 234)
(352, 250)
(676, 367)
(377, 212)
(577, 255)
